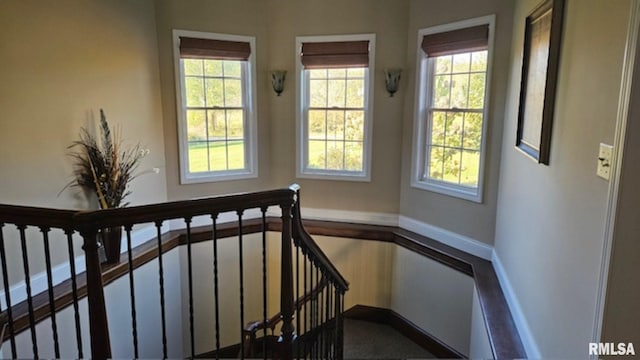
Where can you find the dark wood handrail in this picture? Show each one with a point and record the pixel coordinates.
(35, 216)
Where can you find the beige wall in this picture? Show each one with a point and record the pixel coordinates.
(471, 219)
(550, 219)
(622, 314)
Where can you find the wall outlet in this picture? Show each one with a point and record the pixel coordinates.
(604, 161)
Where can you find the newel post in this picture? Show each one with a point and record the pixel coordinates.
(98, 327)
(287, 335)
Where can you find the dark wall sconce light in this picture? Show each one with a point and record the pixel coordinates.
(392, 80)
(277, 80)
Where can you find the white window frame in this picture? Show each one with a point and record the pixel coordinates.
(250, 116)
(421, 106)
(302, 100)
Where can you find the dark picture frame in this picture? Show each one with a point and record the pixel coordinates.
(541, 55)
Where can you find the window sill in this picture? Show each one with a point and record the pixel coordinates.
(208, 177)
(334, 176)
(473, 195)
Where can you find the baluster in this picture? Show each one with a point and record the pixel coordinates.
(98, 326)
(7, 294)
(336, 305)
(74, 290)
(306, 310)
(214, 236)
(190, 275)
(132, 294)
(27, 280)
(52, 305)
(264, 281)
(161, 284)
(241, 282)
(325, 332)
(340, 342)
(312, 319)
(298, 296)
(286, 296)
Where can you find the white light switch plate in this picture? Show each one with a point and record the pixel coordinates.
(604, 161)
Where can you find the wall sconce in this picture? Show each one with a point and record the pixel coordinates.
(277, 80)
(392, 80)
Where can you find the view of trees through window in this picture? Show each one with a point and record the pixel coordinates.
(335, 137)
(456, 118)
(215, 115)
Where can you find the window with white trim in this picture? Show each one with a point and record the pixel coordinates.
(334, 119)
(451, 109)
(216, 110)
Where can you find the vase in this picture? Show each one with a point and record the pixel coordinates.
(111, 239)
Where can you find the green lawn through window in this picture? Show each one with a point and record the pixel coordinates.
(216, 156)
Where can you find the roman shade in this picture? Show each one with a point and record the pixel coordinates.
(456, 41)
(191, 48)
(335, 54)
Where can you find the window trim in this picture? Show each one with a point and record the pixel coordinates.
(251, 123)
(302, 94)
(421, 106)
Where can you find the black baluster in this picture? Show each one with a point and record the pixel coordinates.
(74, 291)
(161, 283)
(132, 293)
(241, 283)
(27, 280)
(7, 294)
(312, 318)
(52, 305)
(264, 281)
(306, 310)
(190, 274)
(326, 318)
(214, 234)
(298, 296)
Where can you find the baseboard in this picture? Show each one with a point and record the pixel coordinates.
(460, 242)
(527, 338)
(405, 327)
(357, 217)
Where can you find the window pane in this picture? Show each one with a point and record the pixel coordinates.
(217, 125)
(354, 129)
(317, 124)
(231, 68)
(236, 154)
(472, 131)
(436, 156)
(476, 91)
(453, 137)
(213, 67)
(355, 93)
(335, 155)
(470, 168)
(443, 64)
(337, 73)
(233, 93)
(459, 90)
(353, 156)
(441, 91)
(335, 125)
(198, 156)
(451, 165)
(192, 67)
(235, 123)
(195, 91)
(218, 155)
(336, 93)
(215, 94)
(438, 127)
(461, 62)
(355, 72)
(317, 150)
(318, 73)
(479, 61)
(318, 93)
(196, 125)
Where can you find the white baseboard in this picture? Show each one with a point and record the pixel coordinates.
(528, 340)
(62, 272)
(460, 242)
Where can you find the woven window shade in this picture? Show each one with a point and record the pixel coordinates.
(191, 48)
(452, 42)
(338, 54)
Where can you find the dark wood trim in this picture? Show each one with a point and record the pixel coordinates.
(405, 327)
(503, 335)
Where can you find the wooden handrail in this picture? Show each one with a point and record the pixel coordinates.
(35, 216)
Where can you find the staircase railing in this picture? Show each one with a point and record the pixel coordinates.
(198, 220)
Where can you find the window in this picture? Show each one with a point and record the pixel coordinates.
(216, 109)
(334, 113)
(451, 107)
